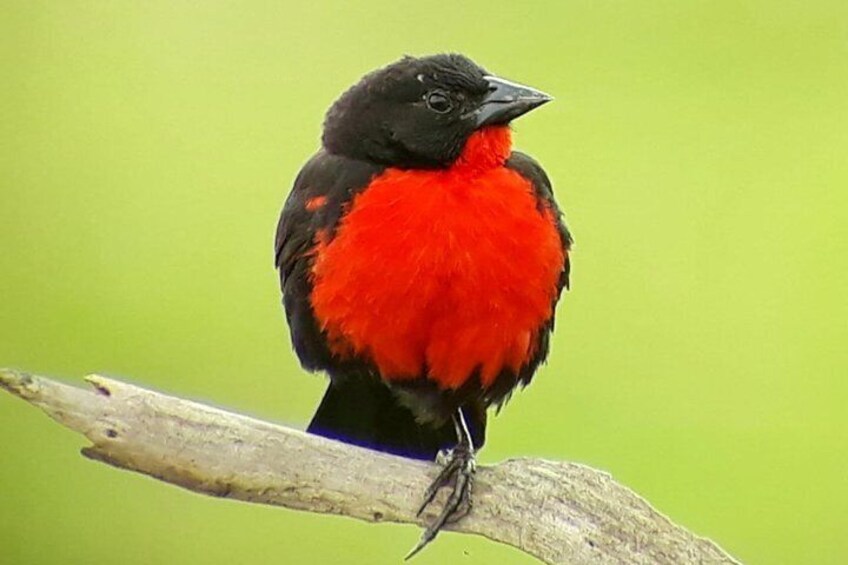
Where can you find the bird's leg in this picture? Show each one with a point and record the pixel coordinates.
(458, 472)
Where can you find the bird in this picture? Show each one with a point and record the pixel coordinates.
(421, 260)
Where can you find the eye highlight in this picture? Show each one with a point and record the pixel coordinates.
(438, 101)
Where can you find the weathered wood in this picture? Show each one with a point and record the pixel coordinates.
(559, 512)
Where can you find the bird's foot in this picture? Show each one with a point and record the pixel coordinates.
(458, 472)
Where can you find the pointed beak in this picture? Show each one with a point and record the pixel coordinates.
(506, 101)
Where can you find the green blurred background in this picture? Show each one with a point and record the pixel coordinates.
(699, 149)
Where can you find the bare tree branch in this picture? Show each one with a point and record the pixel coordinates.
(559, 512)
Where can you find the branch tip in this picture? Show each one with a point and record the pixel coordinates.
(16, 382)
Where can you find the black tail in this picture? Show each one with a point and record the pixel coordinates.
(365, 412)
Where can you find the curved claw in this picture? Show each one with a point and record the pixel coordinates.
(460, 472)
(444, 478)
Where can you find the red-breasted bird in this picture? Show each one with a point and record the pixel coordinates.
(421, 260)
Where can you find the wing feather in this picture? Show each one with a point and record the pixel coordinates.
(329, 182)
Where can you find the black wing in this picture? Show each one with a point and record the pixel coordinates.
(321, 191)
(528, 168)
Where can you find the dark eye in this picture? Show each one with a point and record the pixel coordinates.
(438, 101)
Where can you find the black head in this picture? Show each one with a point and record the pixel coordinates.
(418, 112)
